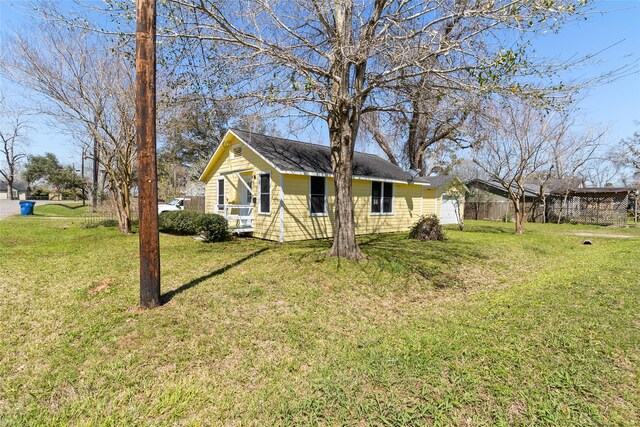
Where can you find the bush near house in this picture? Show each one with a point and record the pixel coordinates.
(212, 227)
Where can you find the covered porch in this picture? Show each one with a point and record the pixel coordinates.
(239, 212)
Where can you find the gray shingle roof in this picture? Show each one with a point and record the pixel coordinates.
(437, 181)
(528, 192)
(296, 156)
(18, 186)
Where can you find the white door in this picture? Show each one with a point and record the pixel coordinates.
(450, 212)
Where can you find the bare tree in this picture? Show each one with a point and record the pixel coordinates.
(335, 60)
(332, 60)
(600, 172)
(627, 154)
(518, 149)
(87, 88)
(12, 140)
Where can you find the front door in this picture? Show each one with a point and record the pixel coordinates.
(246, 198)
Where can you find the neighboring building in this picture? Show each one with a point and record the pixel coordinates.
(489, 200)
(593, 205)
(19, 190)
(281, 189)
(560, 203)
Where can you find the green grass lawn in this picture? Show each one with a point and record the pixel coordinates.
(486, 328)
(61, 209)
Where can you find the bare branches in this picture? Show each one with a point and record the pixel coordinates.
(12, 142)
(88, 89)
(519, 148)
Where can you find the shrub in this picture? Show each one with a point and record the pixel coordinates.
(427, 228)
(39, 192)
(185, 223)
(213, 228)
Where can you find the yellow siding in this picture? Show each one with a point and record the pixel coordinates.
(429, 201)
(266, 226)
(300, 225)
(409, 201)
(407, 207)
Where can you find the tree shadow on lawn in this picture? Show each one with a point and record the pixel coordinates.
(397, 254)
(430, 260)
(165, 298)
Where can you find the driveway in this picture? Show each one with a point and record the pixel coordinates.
(12, 207)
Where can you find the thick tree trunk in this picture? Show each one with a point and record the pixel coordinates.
(344, 233)
(10, 189)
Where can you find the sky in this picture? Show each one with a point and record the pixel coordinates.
(613, 30)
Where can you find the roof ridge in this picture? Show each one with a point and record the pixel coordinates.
(300, 142)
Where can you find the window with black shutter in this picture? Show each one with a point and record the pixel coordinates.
(265, 193)
(387, 197)
(317, 196)
(220, 194)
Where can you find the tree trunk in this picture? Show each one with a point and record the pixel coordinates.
(10, 189)
(518, 212)
(344, 233)
(96, 175)
(519, 222)
(121, 200)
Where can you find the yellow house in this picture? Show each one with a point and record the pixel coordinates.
(283, 190)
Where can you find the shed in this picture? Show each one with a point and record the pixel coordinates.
(593, 205)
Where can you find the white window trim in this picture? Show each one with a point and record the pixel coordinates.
(260, 193)
(393, 192)
(326, 200)
(218, 210)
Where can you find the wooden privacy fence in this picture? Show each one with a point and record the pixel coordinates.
(498, 211)
(194, 203)
(495, 211)
(597, 209)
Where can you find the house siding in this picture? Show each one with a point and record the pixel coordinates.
(300, 225)
(429, 201)
(409, 201)
(266, 226)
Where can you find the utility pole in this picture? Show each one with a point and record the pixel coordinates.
(146, 141)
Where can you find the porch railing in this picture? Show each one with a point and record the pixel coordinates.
(239, 217)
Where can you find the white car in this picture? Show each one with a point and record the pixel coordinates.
(174, 205)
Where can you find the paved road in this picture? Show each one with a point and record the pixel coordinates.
(12, 207)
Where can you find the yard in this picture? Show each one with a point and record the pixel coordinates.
(485, 328)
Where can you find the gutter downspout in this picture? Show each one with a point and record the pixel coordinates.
(281, 208)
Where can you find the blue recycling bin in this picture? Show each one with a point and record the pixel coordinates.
(26, 208)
